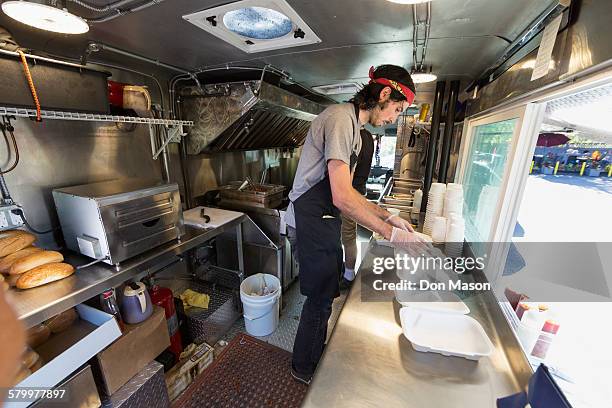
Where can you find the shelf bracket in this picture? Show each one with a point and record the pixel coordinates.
(171, 134)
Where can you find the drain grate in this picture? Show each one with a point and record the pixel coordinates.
(248, 373)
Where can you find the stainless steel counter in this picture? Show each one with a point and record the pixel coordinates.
(369, 363)
(35, 305)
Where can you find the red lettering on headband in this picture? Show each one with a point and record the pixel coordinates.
(399, 87)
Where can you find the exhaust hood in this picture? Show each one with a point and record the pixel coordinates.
(247, 115)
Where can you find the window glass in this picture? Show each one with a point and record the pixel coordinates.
(486, 163)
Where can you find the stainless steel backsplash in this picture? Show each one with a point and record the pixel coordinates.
(57, 153)
(207, 172)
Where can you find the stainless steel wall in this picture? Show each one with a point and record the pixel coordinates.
(60, 153)
(584, 45)
(409, 160)
(57, 153)
(207, 172)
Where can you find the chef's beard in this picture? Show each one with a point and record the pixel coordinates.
(381, 106)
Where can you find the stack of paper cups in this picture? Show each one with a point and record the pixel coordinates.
(453, 200)
(455, 233)
(438, 232)
(435, 206)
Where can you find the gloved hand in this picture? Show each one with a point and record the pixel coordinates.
(415, 244)
(402, 236)
(399, 222)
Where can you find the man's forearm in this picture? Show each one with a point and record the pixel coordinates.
(378, 210)
(365, 213)
(353, 204)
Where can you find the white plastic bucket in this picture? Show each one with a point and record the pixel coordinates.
(260, 312)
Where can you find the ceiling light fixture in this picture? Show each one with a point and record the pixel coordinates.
(409, 1)
(338, 89)
(423, 76)
(49, 15)
(255, 25)
(258, 23)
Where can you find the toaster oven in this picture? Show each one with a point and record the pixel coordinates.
(116, 220)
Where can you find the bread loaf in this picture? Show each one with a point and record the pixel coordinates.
(11, 280)
(8, 233)
(30, 357)
(62, 321)
(33, 260)
(37, 335)
(15, 242)
(7, 261)
(44, 274)
(36, 366)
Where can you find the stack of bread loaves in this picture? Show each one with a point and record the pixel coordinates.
(26, 266)
(37, 336)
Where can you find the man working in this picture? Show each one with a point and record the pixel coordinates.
(322, 189)
(349, 226)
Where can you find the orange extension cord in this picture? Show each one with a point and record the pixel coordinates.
(28, 75)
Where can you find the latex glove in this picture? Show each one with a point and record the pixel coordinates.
(399, 222)
(414, 243)
(402, 236)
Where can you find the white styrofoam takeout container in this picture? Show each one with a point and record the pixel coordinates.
(433, 301)
(449, 334)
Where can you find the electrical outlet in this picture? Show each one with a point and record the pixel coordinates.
(8, 220)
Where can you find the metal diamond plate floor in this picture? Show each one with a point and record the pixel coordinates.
(284, 335)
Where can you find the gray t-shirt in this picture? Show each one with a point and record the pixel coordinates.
(333, 135)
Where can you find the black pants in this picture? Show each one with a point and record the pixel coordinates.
(311, 334)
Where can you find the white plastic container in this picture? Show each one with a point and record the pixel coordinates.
(449, 334)
(260, 311)
(443, 302)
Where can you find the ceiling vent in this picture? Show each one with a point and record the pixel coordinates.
(255, 25)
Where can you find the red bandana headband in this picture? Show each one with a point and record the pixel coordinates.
(404, 90)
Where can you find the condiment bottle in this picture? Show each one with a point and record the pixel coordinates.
(521, 309)
(546, 337)
(109, 305)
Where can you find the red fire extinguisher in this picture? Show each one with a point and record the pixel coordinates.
(163, 297)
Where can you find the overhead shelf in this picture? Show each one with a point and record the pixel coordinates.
(89, 117)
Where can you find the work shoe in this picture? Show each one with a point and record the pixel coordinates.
(345, 284)
(303, 378)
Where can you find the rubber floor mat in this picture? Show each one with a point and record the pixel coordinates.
(249, 373)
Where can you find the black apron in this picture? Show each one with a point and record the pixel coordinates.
(318, 226)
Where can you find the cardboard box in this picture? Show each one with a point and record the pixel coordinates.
(65, 352)
(137, 347)
(197, 358)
